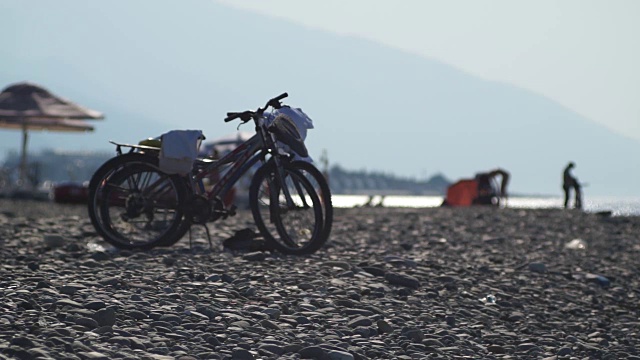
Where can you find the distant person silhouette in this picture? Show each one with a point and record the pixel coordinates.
(568, 182)
(369, 202)
(578, 189)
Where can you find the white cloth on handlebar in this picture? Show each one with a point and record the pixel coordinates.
(179, 150)
(302, 121)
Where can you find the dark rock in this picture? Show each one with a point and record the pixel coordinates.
(95, 305)
(402, 280)
(100, 256)
(376, 271)
(22, 342)
(241, 354)
(360, 321)
(88, 322)
(313, 352)
(538, 267)
(105, 317)
(54, 241)
(384, 327)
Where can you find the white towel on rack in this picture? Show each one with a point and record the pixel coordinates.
(179, 150)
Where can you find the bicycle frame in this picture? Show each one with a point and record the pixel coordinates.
(241, 159)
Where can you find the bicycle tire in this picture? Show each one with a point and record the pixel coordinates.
(293, 230)
(320, 183)
(102, 174)
(124, 206)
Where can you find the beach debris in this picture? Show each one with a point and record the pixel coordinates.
(538, 267)
(489, 299)
(592, 278)
(598, 279)
(93, 246)
(438, 241)
(245, 240)
(344, 265)
(255, 256)
(576, 244)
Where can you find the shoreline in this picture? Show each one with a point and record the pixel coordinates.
(616, 206)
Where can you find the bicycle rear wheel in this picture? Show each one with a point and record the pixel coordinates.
(99, 179)
(100, 176)
(291, 224)
(140, 207)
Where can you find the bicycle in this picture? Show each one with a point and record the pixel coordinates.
(133, 204)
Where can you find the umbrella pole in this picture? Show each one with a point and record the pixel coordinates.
(23, 155)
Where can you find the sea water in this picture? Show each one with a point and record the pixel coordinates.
(619, 206)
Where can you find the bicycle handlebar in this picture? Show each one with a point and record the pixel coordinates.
(245, 116)
(248, 115)
(277, 99)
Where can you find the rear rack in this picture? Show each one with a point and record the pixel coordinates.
(132, 147)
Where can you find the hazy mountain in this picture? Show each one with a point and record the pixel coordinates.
(151, 66)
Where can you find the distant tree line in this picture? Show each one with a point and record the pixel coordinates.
(344, 181)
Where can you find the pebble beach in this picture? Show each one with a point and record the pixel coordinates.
(391, 283)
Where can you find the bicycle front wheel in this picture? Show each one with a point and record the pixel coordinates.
(140, 207)
(287, 210)
(321, 187)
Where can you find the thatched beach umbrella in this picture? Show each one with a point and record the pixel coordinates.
(27, 106)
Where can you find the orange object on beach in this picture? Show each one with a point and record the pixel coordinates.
(462, 193)
(482, 190)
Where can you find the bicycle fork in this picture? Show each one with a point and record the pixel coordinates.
(280, 182)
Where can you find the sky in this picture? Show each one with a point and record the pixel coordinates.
(581, 54)
(584, 54)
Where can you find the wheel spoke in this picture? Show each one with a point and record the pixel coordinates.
(140, 206)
